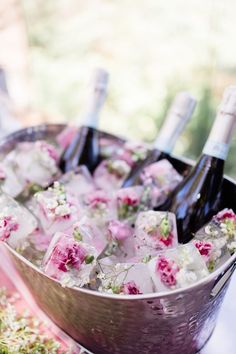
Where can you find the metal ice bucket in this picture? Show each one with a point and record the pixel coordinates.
(178, 322)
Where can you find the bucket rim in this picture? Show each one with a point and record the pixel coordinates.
(212, 277)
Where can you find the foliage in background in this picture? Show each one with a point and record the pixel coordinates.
(151, 50)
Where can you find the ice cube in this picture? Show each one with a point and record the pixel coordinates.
(35, 162)
(226, 220)
(100, 207)
(177, 268)
(132, 152)
(124, 278)
(69, 261)
(213, 251)
(121, 241)
(217, 239)
(160, 179)
(155, 231)
(130, 202)
(40, 240)
(9, 181)
(110, 174)
(86, 231)
(78, 182)
(16, 222)
(36, 246)
(109, 147)
(55, 209)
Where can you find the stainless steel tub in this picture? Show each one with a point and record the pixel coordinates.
(179, 322)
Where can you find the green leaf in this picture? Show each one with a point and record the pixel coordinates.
(89, 259)
(165, 227)
(77, 235)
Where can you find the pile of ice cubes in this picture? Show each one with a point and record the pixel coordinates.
(89, 232)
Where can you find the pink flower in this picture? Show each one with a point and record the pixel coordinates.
(204, 247)
(127, 157)
(167, 270)
(132, 152)
(52, 152)
(155, 170)
(225, 214)
(7, 225)
(128, 196)
(68, 254)
(96, 198)
(119, 230)
(167, 240)
(130, 288)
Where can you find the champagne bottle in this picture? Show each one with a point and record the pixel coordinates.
(178, 115)
(197, 198)
(84, 148)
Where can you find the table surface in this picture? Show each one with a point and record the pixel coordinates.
(223, 340)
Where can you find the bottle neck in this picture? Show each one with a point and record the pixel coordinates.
(95, 105)
(91, 118)
(169, 133)
(217, 144)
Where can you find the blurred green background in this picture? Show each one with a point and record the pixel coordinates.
(152, 48)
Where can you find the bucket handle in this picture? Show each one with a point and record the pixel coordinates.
(222, 280)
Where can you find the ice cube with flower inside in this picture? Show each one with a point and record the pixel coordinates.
(120, 241)
(100, 207)
(159, 179)
(109, 147)
(155, 231)
(132, 152)
(16, 222)
(55, 209)
(35, 162)
(217, 239)
(129, 202)
(85, 230)
(177, 268)
(78, 182)
(123, 278)
(69, 261)
(226, 221)
(111, 173)
(10, 183)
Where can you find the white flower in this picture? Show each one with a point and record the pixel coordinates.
(62, 210)
(121, 166)
(101, 276)
(232, 246)
(185, 258)
(185, 277)
(50, 203)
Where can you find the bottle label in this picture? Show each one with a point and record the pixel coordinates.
(216, 149)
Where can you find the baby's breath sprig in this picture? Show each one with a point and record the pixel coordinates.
(21, 335)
